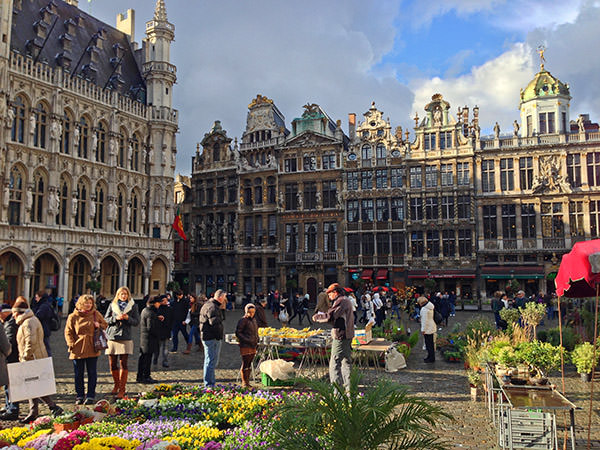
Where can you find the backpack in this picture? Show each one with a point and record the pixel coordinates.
(437, 317)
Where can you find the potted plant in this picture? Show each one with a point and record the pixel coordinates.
(583, 358)
(475, 383)
(532, 315)
(542, 356)
(172, 286)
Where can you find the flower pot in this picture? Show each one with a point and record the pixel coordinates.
(58, 427)
(586, 377)
(538, 381)
(473, 393)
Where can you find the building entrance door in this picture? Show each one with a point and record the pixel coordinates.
(311, 289)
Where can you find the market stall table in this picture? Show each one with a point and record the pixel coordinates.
(372, 352)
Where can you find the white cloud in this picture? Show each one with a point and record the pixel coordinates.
(493, 86)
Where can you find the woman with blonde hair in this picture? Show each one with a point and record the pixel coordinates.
(79, 334)
(121, 315)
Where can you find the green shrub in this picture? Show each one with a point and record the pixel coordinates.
(583, 357)
(479, 326)
(552, 335)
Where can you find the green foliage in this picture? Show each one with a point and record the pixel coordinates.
(479, 326)
(430, 284)
(533, 313)
(552, 335)
(93, 286)
(513, 286)
(474, 378)
(384, 416)
(413, 339)
(291, 284)
(510, 315)
(541, 355)
(173, 286)
(3, 285)
(583, 357)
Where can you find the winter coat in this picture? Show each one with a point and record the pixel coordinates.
(120, 330)
(322, 302)
(180, 309)
(260, 316)
(247, 332)
(427, 323)
(5, 351)
(44, 312)
(341, 316)
(30, 337)
(11, 328)
(211, 321)
(149, 330)
(167, 323)
(79, 333)
(195, 318)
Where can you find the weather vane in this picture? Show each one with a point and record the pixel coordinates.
(541, 49)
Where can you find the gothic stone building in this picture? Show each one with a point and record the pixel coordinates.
(88, 150)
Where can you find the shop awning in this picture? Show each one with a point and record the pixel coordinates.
(441, 274)
(367, 274)
(509, 272)
(382, 274)
(353, 270)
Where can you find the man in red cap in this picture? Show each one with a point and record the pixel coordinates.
(340, 314)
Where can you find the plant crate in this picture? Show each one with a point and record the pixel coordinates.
(268, 381)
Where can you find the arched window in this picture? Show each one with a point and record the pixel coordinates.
(41, 123)
(65, 138)
(37, 204)
(18, 127)
(367, 152)
(78, 270)
(258, 191)
(99, 216)
(380, 151)
(84, 135)
(63, 204)
(216, 152)
(82, 198)
(101, 143)
(135, 157)
(16, 184)
(135, 205)
(122, 158)
(120, 210)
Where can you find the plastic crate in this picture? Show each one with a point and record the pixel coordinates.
(268, 381)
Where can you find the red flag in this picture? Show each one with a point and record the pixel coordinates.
(178, 226)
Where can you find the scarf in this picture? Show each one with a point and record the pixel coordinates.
(118, 310)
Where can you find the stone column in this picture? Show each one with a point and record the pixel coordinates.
(584, 174)
(538, 224)
(63, 281)
(146, 290)
(27, 284)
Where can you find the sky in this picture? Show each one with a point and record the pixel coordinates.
(345, 54)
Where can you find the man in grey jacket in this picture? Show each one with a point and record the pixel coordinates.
(340, 314)
(212, 333)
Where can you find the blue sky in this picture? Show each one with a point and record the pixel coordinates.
(344, 54)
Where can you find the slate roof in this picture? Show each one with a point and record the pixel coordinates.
(57, 17)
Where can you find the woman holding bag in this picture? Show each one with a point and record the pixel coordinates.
(121, 315)
(79, 334)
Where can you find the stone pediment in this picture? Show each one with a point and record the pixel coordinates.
(310, 139)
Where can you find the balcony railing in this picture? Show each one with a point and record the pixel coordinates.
(554, 243)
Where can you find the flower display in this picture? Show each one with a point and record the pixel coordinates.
(106, 443)
(288, 332)
(192, 437)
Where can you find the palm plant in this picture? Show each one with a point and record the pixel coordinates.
(385, 416)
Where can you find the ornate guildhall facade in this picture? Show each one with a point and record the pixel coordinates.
(88, 150)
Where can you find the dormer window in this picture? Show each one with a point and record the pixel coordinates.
(445, 139)
(366, 155)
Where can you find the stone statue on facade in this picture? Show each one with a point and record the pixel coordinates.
(10, 118)
(32, 122)
(29, 198)
(111, 212)
(581, 124)
(300, 200)
(143, 215)
(497, 130)
(128, 212)
(437, 117)
(6, 195)
(516, 128)
(549, 178)
(94, 141)
(129, 153)
(74, 204)
(53, 201)
(54, 130)
(202, 232)
(92, 208)
(76, 136)
(157, 215)
(318, 197)
(164, 158)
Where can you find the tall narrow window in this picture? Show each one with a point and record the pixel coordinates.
(352, 181)
(381, 154)
(594, 218)
(291, 237)
(528, 220)
(352, 211)
(99, 217)
(487, 176)
(431, 208)
(41, 123)
(101, 143)
(576, 218)
(366, 179)
(84, 135)
(416, 208)
(330, 236)
(447, 207)
(381, 178)
(431, 176)
(417, 244)
(397, 208)
(382, 209)
(507, 179)
(509, 222)
(366, 155)
(134, 213)
(135, 153)
(464, 242)
(18, 126)
(490, 226)
(464, 206)
(462, 172)
(310, 237)
(416, 180)
(37, 204)
(526, 172)
(448, 243)
(272, 230)
(16, 185)
(271, 191)
(433, 243)
(310, 195)
(258, 191)
(329, 194)
(122, 156)
(574, 169)
(552, 220)
(82, 197)
(216, 152)
(63, 208)
(291, 196)
(383, 244)
(65, 137)
(120, 211)
(446, 174)
(366, 210)
(396, 178)
(593, 168)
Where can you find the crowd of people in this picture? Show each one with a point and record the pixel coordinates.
(502, 300)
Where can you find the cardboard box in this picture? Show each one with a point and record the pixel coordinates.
(362, 337)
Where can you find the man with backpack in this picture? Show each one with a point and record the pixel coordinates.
(428, 327)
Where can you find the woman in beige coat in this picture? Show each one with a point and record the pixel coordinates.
(79, 334)
(30, 340)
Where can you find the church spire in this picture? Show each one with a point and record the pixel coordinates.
(160, 11)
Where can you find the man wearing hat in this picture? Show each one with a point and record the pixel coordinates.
(428, 327)
(340, 314)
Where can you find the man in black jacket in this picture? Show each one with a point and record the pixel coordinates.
(165, 315)
(43, 310)
(10, 328)
(179, 307)
(149, 339)
(211, 333)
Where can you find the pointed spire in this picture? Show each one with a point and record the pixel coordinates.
(160, 11)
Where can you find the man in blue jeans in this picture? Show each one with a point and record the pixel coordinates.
(211, 333)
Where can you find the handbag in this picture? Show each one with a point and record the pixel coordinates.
(31, 379)
(100, 339)
(283, 315)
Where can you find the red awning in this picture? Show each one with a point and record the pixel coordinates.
(382, 274)
(367, 274)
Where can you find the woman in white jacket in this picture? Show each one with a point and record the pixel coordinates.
(428, 327)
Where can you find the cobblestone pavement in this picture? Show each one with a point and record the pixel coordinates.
(443, 383)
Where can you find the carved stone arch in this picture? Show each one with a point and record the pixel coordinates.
(86, 254)
(19, 254)
(136, 268)
(27, 100)
(59, 258)
(110, 273)
(15, 267)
